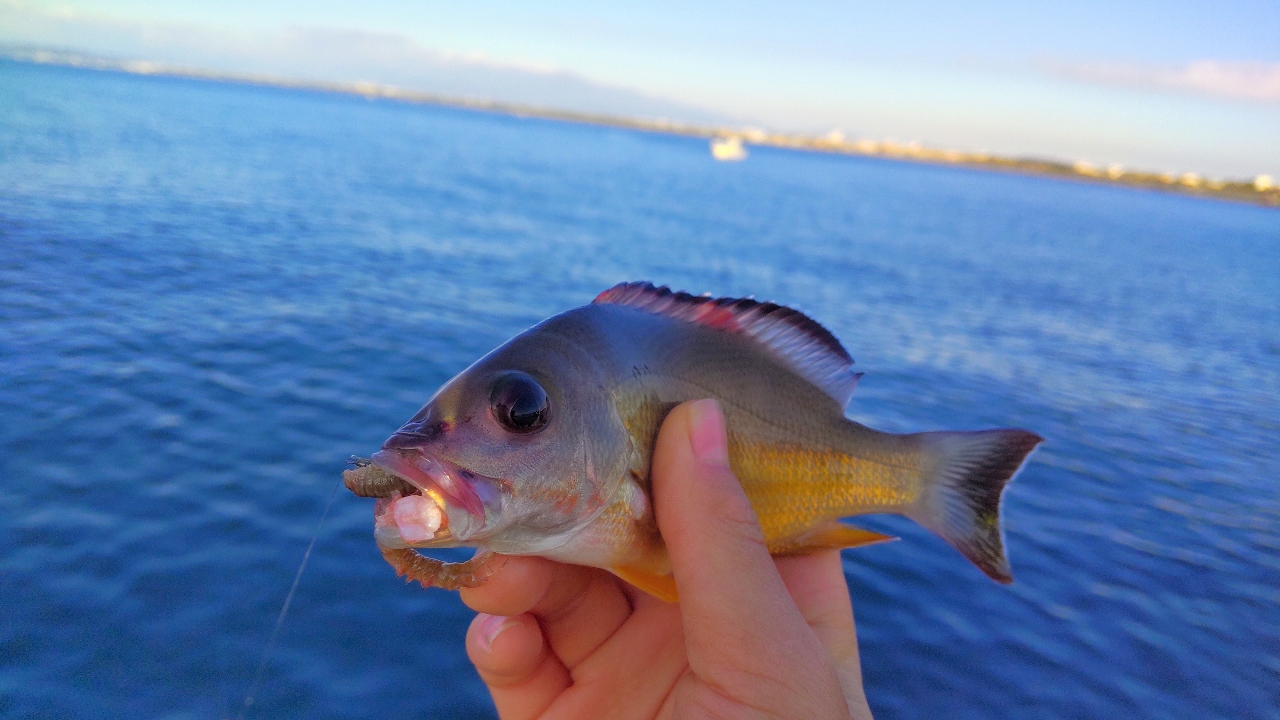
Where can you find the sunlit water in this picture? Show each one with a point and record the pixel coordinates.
(211, 295)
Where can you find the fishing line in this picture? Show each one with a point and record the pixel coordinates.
(284, 610)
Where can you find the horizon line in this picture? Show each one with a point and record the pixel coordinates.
(1260, 190)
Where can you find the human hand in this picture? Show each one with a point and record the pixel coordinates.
(751, 636)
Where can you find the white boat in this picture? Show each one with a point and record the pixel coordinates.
(728, 149)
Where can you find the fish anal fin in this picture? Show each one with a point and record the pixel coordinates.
(662, 587)
(829, 536)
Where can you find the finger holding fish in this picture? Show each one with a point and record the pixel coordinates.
(741, 623)
(592, 655)
(523, 676)
(578, 607)
(817, 585)
(740, 629)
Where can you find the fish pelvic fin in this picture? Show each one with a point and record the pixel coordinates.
(961, 494)
(662, 587)
(828, 536)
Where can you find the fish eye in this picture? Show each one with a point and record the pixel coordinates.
(519, 403)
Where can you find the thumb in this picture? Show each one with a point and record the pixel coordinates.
(727, 581)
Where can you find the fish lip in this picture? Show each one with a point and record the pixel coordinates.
(442, 479)
(415, 434)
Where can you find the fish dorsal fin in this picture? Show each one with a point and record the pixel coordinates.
(791, 336)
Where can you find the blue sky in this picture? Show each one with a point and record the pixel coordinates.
(1158, 85)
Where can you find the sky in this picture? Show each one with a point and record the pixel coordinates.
(1164, 86)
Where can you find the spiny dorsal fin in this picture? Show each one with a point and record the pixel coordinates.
(793, 337)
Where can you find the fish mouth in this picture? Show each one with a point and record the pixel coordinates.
(444, 505)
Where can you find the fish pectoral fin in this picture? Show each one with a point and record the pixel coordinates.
(831, 536)
(662, 587)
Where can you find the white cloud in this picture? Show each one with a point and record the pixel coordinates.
(1256, 81)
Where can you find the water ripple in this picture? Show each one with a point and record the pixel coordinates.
(212, 295)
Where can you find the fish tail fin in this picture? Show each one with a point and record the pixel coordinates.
(961, 498)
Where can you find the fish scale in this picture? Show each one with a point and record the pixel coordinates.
(792, 487)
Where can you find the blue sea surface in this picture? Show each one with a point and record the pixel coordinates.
(212, 294)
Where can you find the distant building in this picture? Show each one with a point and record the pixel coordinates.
(1084, 167)
(1263, 182)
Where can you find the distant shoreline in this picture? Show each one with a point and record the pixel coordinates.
(1258, 191)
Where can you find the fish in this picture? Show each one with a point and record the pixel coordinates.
(543, 446)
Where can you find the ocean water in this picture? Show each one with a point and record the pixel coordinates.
(212, 294)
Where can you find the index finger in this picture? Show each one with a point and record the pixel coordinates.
(578, 607)
(817, 585)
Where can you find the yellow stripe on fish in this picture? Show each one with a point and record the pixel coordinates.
(792, 487)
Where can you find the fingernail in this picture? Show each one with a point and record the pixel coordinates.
(491, 627)
(707, 433)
